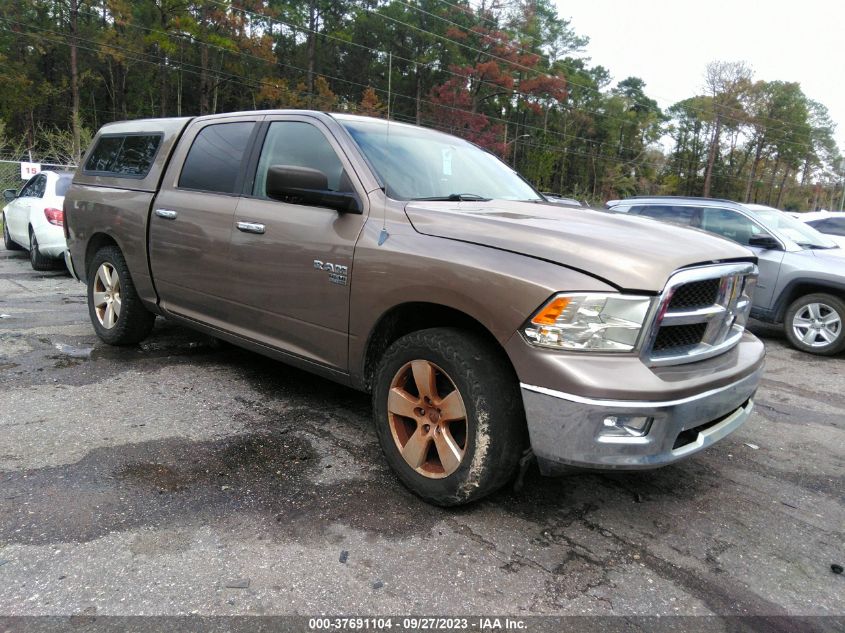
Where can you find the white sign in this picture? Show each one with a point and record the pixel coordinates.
(28, 170)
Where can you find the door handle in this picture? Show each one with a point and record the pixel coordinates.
(250, 227)
(167, 214)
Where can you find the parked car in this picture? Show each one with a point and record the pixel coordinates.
(831, 223)
(422, 269)
(33, 218)
(802, 272)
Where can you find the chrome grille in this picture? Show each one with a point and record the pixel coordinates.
(679, 337)
(696, 294)
(701, 313)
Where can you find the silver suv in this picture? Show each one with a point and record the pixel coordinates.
(802, 271)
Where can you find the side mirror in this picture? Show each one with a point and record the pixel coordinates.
(303, 185)
(10, 194)
(764, 241)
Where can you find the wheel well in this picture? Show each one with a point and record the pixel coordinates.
(411, 317)
(97, 241)
(805, 288)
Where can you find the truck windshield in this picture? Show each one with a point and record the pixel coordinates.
(417, 163)
(787, 226)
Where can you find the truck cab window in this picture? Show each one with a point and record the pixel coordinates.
(302, 145)
(214, 160)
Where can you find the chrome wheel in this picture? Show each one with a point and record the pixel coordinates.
(427, 419)
(817, 325)
(107, 295)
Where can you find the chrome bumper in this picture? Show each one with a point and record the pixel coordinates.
(568, 430)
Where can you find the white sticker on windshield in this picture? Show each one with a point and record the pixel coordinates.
(446, 152)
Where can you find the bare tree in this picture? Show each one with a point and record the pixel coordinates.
(725, 82)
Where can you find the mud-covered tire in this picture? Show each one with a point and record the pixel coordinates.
(133, 322)
(8, 242)
(495, 432)
(799, 320)
(38, 261)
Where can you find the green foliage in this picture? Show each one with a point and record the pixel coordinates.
(510, 75)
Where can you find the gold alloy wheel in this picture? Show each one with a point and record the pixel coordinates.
(107, 295)
(427, 419)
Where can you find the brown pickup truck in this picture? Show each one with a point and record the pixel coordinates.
(416, 266)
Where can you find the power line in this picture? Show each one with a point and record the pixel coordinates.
(256, 83)
(469, 77)
(156, 61)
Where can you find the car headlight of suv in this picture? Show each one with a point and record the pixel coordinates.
(589, 321)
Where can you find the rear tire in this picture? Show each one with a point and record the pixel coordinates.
(36, 259)
(814, 324)
(116, 311)
(8, 242)
(439, 458)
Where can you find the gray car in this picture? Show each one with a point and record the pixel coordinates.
(802, 271)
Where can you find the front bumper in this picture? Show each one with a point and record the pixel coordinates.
(569, 430)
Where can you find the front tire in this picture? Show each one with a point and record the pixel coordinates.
(8, 242)
(116, 311)
(448, 415)
(36, 259)
(814, 324)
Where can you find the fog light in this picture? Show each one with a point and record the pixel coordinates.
(626, 426)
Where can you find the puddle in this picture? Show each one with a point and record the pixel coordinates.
(74, 352)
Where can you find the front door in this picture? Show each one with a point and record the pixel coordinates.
(291, 264)
(17, 211)
(737, 227)
(191, 219)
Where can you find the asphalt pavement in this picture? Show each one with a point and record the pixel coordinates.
(187, 476)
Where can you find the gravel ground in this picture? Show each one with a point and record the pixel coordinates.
(187, 476)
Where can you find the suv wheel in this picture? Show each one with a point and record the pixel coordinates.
(116, 311)
(813, 324)
(36, 259)
(448, 415)
(8, 242)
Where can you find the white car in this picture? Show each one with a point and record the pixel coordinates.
(34, 220)
(831, 223)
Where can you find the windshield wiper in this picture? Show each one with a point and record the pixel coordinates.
(456, 197)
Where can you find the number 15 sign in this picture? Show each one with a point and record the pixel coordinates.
(28, 170)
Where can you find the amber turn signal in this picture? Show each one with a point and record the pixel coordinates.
(551, 311)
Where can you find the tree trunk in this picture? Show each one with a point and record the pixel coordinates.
(419, 94)
(772, 182)
(162, 95)
(782, 187)
(753, 173)
(204, 87)
(711, 158)
(312, 45)
(74, 80)
(817, 190)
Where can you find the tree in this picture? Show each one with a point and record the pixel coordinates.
(726, 82)
(370, 104)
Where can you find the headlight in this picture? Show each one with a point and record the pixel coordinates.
(605, 322)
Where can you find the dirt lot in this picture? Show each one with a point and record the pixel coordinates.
(188, 476)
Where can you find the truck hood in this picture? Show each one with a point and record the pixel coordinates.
(629, 252)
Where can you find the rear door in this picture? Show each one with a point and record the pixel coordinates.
(291, 279)
(192, 219)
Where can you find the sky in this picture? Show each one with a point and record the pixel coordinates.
(668, 44)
